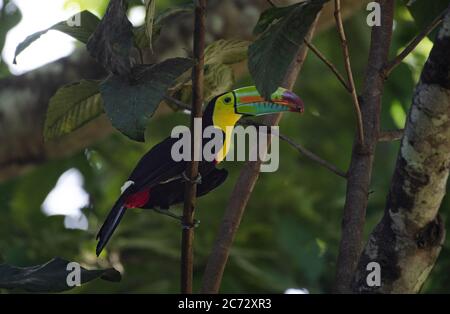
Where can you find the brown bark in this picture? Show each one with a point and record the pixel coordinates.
(187, 241)
(359, 173)
(407, 241)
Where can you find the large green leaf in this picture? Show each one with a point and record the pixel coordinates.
(226, 51)
(219, 78)
(272, 53)
(271, 16)
(112, 41)
(424, 11)
(72, 106)
(49, 277)
(82, 31)
(130, 104)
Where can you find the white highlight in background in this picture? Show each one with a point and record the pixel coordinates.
(68, 198)
(38, 15)
(296, 291)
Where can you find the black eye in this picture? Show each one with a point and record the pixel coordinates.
(227, 100)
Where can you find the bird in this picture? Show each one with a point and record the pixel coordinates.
(157, 182)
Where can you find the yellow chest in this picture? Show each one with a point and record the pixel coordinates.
(225, 123)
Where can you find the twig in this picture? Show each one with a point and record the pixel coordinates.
(271, 3)
(177, 102)
(348, 68)
(328, 64)
(187, 241)
(308, 154)
(391, 65)
(390, 136)
(242, 190)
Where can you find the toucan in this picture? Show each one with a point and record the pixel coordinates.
(157, 182)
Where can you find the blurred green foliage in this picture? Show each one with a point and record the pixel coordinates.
(291, 229)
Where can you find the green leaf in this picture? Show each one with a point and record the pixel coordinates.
(80, 26)
(219, 78)
(8, 19)
(49, 277)
(71, 107)
(150, 8)
(140, 33)
(112, 41)
(226, 51)
(272, 53)
(140, 37)
(271, 16)
(130, 104)
(424, 12)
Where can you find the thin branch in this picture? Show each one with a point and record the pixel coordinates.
(242, 190)
(328, 64)
(272, 4)
(348, 68)
(390, 136)
(391, 65)
(313, 156)
(187, 241)
(308, 154)
(177, 103)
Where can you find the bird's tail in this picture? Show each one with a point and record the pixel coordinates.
(110, 224)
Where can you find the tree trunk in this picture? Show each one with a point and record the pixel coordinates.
(407, 241)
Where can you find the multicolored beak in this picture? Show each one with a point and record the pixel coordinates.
(249, 102)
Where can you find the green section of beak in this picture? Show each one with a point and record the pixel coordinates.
(250, 102)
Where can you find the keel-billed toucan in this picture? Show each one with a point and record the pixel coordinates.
(158, 181)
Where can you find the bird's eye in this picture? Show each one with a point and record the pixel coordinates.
(227, 100)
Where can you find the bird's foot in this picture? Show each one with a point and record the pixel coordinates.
(197, 180)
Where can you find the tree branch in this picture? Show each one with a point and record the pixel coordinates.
(329, 65)
(178, 103)
(390, 136)
(408, 239)
(272, 4)
(313, 156)
(187, 241)
(348, 69)
(413, 44)
(243, 188)
(308, 154)
(360, 170)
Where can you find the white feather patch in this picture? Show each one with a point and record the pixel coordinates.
(126, 185)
